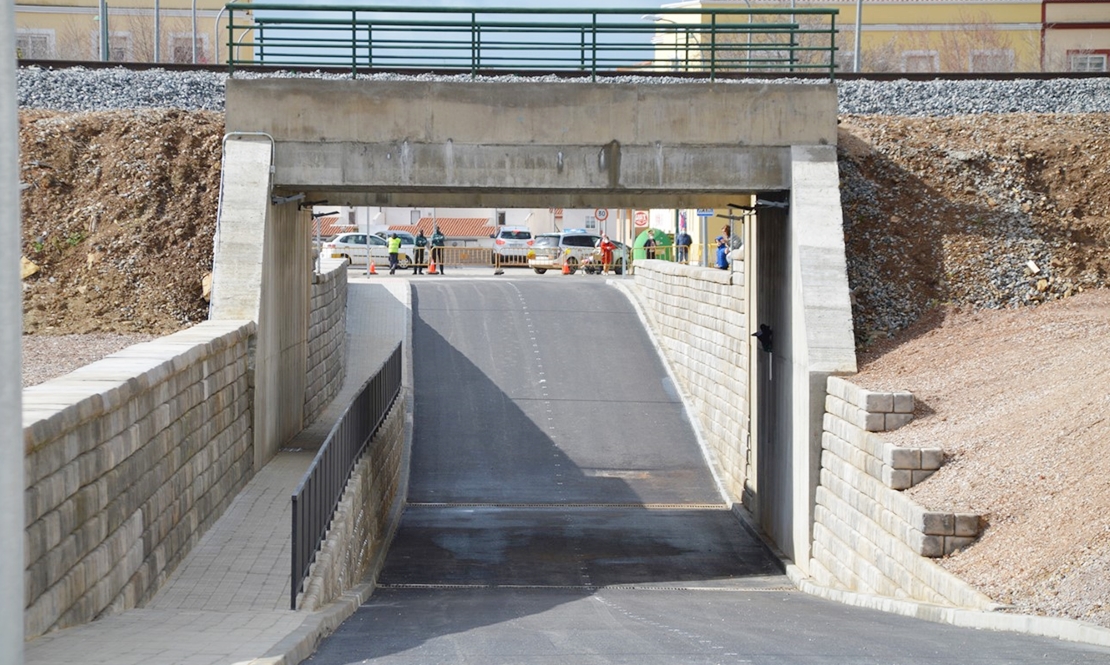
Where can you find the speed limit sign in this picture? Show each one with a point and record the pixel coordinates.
(601, 214)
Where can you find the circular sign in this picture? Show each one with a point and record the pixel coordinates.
(601, 214)
(641, 218)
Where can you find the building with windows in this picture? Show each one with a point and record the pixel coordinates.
(922, 36)
(170, 31)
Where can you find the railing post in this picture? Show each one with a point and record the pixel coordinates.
(475, 46)
(230, 41)
(354, 44)
(713, 46)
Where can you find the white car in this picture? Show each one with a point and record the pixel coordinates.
(511, 244)
(351, 247)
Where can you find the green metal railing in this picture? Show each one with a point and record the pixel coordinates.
(710, 42)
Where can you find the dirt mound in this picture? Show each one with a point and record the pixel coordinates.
(119, 218)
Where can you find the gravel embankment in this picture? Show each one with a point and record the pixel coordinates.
(111, 89)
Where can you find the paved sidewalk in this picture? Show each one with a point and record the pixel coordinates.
(228, 601)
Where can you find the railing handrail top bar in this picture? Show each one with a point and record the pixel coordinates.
(652, 11)
(691, 27)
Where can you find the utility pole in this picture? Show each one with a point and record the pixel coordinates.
(11, 385)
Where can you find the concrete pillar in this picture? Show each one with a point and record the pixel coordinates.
(11, 316)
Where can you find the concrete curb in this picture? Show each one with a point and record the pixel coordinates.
(1071, 630)
(302, 643)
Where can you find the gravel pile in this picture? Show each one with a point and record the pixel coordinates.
(80, 89)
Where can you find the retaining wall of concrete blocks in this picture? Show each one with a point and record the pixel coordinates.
(698, 317)
(327, 336)
(868, 536)
(128, 461)
(355, 544)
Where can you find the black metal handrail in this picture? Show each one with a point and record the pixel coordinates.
(321, 488)
(709, 40)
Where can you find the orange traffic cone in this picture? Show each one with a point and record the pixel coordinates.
(566, 268)
(373, 270)
(432, 267)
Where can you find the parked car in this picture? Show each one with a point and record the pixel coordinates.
(571, 247)
(511, 244)
(351, 247)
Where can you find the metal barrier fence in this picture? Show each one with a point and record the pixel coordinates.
(471, 256)
(708, 41)
(321, 488)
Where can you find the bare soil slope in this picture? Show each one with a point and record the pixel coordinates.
(945, 220)
(119, 218)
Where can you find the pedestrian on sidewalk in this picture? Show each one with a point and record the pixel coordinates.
(438, 240)
(394, 250)
(420, 243)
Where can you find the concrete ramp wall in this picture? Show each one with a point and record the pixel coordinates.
(262, 271)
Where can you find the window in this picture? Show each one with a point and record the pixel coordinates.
(992, 60)
(34, 44)
(501, 218)
(591, 222)
(181, 47)
(920, 61)
(1086, 61)
(119, 47)
(414, 217)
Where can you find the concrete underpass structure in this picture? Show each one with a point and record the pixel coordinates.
(568, 144)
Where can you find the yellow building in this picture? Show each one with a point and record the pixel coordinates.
(941, 35)
(70, 30)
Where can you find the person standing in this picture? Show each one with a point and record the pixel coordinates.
(649, 245)
(606, 246)
(394, 250)
(437, 248)
(683, 242)
(420, 243)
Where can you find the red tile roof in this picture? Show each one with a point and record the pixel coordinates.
(452, 227)
(330, 226)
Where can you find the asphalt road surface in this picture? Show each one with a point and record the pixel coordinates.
(561, 511)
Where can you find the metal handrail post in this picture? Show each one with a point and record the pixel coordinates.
(593, 47)
(475, 46)
(354, 43)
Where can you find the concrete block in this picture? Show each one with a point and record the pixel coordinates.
(932, 458)
(968, 525)
(897, 479)
(893, 421)
(937, 523)
(876, 402)
(872, 422)
(902, 458)
(928, 546)
(919, 476)
(903, 402)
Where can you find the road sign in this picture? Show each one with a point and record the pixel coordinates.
(705, 212)
(601, 214)
(640, 218)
